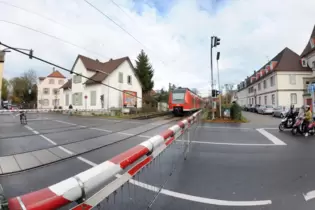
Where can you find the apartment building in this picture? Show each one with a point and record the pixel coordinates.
(280, 82)
(94, 93)
(49, 94)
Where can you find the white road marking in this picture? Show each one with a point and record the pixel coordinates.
(142, 136)
(50, 141)
(87, 161)
(65, 150)
(47, 139)
(99, 129)
(127, 134)
(65, 122)
(212, 127)
(310, 195)
(271, 137)
(189, 197)
(232, 144)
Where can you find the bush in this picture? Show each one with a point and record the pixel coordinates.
(236, 112)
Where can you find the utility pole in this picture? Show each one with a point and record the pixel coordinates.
(220, 93)
(215, 41)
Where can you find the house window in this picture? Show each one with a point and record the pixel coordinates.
(272, 81)
(51, 81)
(93, 98)
(273, 99)
(77, 79)
(265, 100)
(259, 86)
(292, 79)
(56, 91)
(77, 99)
(45, 102)
(259, 100)
(252, 100)
(265, 84)
(46, 91)
(60, 82)
(129, 79)
(67, 99)
(120, 77)
(293, 98)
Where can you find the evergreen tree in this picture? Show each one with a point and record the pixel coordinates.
(145, 72)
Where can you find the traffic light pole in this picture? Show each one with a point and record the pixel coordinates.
(211, 66)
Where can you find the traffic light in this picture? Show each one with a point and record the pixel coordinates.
(215, 93)
(216, 41)
(31, 54)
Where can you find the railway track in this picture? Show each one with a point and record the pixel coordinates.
(76, 155)
(150, 116)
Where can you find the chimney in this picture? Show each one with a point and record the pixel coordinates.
(54, 69)
(110, 59)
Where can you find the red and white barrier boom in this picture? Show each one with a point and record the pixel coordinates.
(75, 188)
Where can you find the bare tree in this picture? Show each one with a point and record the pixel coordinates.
(229, 91)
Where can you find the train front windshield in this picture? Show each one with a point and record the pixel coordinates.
(178, 96)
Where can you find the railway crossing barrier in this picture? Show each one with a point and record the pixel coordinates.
(135, 177)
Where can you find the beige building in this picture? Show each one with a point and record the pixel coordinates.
(49, 94)
(279, 82)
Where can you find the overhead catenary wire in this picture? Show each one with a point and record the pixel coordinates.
(47, 18)
(127, 32)
(65, 69)
(52, 36)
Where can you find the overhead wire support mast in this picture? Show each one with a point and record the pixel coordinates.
(65, 69)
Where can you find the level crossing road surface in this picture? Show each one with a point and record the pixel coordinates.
(229, 166)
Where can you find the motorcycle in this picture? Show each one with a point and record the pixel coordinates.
(288, 121)
(311, 129)
(298, 126)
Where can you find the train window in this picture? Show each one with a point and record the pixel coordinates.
(178, 96)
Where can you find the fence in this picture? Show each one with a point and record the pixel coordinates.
(133, 179)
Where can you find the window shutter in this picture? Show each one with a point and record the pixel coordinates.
(73, 99)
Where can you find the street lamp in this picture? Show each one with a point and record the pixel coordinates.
(220, 94)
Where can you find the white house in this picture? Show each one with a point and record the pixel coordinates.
(89, 93)
(280, 82)
(49, 94)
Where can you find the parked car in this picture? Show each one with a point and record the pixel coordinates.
(247, 107)
(265, 109)
(255, 108)
(280, 111)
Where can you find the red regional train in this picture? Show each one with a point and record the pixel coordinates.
(183, 100)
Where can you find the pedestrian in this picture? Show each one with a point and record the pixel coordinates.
(70, 110)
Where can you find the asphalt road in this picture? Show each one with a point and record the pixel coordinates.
(229, 166)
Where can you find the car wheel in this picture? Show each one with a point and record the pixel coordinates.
(281, 115)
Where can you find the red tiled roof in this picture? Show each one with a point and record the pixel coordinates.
(308, 49)
(56, 74)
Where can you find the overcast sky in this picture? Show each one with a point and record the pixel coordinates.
(174, 33)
